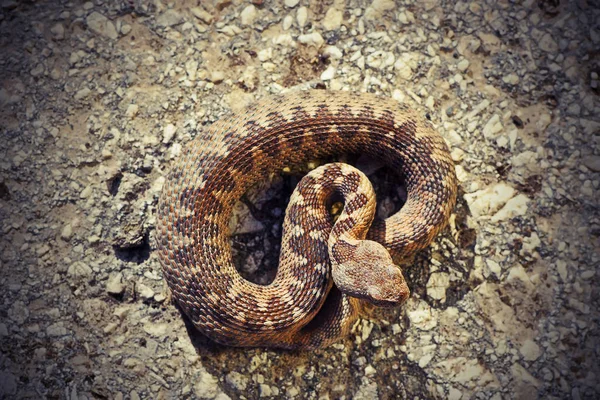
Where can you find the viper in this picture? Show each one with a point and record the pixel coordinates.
(327, 269)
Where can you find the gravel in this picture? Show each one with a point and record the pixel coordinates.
(98, 98)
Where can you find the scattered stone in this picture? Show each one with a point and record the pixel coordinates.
(437, 284)
(511, 79)
(56, 330)
(169, 19)
(18, 312)
(169, 133)
(291, 3)
(237, 380)
(492, 127)
(101, 25)
(156, 330)
(37, 70)
(514, 207)
(82, 93)
(206, 386)
(287, 22)
(378, 8)
(302, 16)
(530, 350)
(217, 76)
(548, 44)
(58, 30)
(115, 285)
(144, 291)
(463, 65)
(79, 270)
(248, 15)
(333, 19)
(132, 111)
(380, 59)
(328, 74)
(202, 15)
(67, 232)
(489, 200)
(592, 162)
(312, 39)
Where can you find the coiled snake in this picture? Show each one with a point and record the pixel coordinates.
(326, 270)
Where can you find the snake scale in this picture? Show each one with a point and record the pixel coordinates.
(326, 269)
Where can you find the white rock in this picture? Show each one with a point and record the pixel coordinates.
(169, 133)
(333, 52)
(378, 8)
(454, 394)
(287, 22)
(530, 350)
(513, 208)
(492, 127)
(548, 44)
(489, 200)
(206, 386)
(406, 17)
(302, 16)
(422, 317)
(265, 54)
(67, 232)
(248, 15)
(528, 159)
(328, 74)
(468, 372)
(82, 93)
(79, 269)
(169, 18)
(191, 68)
(202, 14)
(380, 59)
(312, 39)
(125, 29)
(511, 79)
(561, 268)
(158, 330)
(437, 284)
(463, 65)
(291, 3)
(217, 76)
(114, 285)
(424, 361)
(494, 267)
(405, 65)
(333, 19)
(132, 110)
(237, 380)
(144, 291)
(101, 25)
(265, 390)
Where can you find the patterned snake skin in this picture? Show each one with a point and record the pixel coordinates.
(327, 269)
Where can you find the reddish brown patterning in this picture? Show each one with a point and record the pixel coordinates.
(302, 307)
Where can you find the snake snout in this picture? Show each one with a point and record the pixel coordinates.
(390, 289)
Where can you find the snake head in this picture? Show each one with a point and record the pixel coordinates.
(370, 274)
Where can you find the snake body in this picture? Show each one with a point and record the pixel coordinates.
(326, 269)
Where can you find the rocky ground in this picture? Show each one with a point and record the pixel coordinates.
(98, 98)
